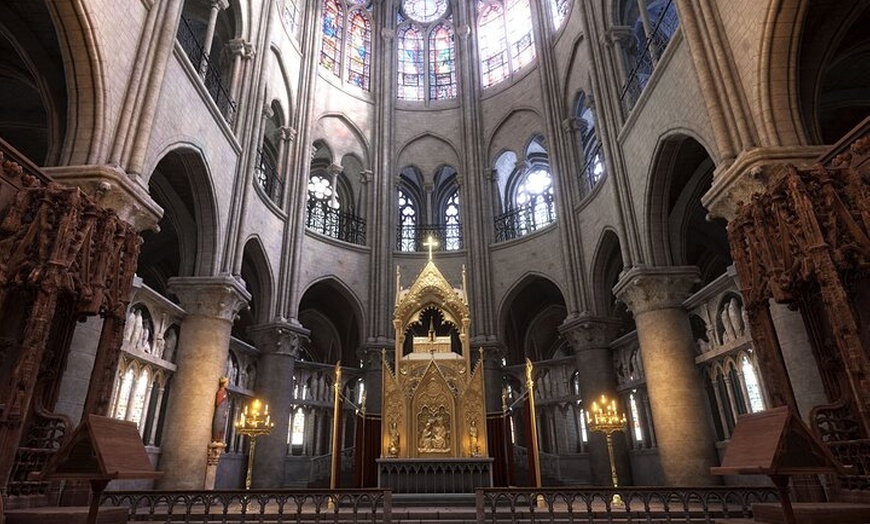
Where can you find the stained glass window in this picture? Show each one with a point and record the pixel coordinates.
(505, 38)
(359, 43)
(559, 9)
(753, 388)
(291, 17)
(492, 45)
(333, 27)
(425, 11)
(635, 418)
(442, 63)
(410, 63)
(520, 37)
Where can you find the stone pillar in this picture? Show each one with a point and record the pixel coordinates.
(590, 338)
(211, 304)
(679, 406)
(493, 356)
(370, 355)
(216, 7)
(279, 345)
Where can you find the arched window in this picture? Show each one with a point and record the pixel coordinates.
(427, 51)
(453, 240)
(505, 38)
(347, 21)
(753, 387)
(588, 145)
(528, 193)
(429, 207)
(652, 23)
(291, 16)
(442, 63)
(411, 80)
(559, 9)
(407, 221)
(359, 44)
(333, 33)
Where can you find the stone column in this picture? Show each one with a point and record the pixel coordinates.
(679, 406)
(590, 338)
(279, 345)
(211, 304)
(216, 7)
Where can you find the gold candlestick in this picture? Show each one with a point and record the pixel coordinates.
(254, 421)
(604, 418)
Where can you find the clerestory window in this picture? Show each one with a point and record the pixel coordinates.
(346, 44)
(527, 192)
(426, 51)
(505, 39)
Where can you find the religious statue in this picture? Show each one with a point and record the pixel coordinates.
(435, 435)
(394, 440)
(735, 316)
(221, 411)
(473, 439)
(727, 328)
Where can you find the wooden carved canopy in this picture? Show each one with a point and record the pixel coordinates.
(806, 241)
(57, 246)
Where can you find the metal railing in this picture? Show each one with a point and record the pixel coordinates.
(646, 57)
(266, 175)
(538, 213)
(641, 504)
(211, 76)
(326, 220)
(494, 505)
(411, 238)
(230, 506)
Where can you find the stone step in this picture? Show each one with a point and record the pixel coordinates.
(814, 513)
(65, 515)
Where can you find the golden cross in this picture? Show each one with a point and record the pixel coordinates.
(430, 243)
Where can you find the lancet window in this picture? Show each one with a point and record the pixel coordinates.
(331, 206)
(205, 32)
(428, 210)
(505, 39)
(291, 16)
(527, 192)
(346, 43)
(652, 24)
(426, 51)
(589, 150)
(559, 10)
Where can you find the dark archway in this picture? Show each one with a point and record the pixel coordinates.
(332, 314)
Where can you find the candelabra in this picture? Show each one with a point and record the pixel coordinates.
(254, 421)
(604, 418)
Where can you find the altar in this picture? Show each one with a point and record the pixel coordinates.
(434, 415)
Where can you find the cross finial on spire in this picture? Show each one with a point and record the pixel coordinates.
(429, 244)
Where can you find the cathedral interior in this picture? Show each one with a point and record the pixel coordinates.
(425, 231)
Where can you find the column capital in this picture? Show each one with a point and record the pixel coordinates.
(388, 34)
(287, 133)
(735, 182)
(113, 189)
(335, 169)
(569, 125)
(279, 338)
(241, 47)
(220, 297)
(646, 289)
(590, 332)
(366, 176)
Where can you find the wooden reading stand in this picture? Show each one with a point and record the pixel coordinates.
(778, 444)
(100, 450)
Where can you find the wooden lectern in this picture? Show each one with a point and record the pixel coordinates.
(778, 444)
(100, 450)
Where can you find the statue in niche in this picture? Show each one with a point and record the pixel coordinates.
(473, 439)
(394, 440)
(170, 339)
(727, 328)
(134, 335)
(736, 317)
(732, 321)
